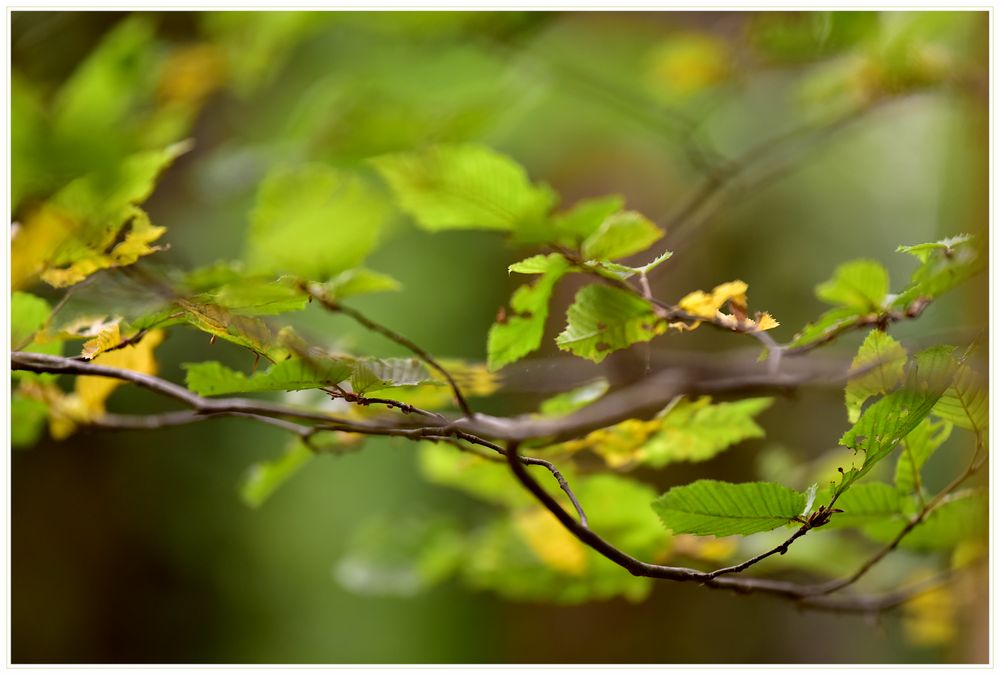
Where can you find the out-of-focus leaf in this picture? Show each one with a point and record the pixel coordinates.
(793, 37)
(27, 420)
(867, 503)
(826, 326)
(860, 284)
(574, 399)
(94, 391)
(695, 431)
(374, 374)
(519, 332)
(620, 235)
(918, 446)
(400, 556)
(963, 517)
(245, 331)
(212, 378)
(966, 402)
(885, 359)
(573, 226)
(314, 222)
(551, 542)
(723, 509)
(685, 65)
(357, 281)
(465, 187)
(604, 319)
(257, 296)
(263, 478)
(28, 313)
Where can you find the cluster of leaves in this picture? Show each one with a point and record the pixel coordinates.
(313, 227)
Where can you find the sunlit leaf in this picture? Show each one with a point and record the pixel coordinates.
(860, 284)
(465, 187)
(313, 221)
(966, 402)
(619, 236)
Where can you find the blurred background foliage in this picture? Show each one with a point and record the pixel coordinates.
(852, 132)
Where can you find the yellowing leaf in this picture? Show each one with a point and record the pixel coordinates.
(191, 73)
(709, 549)
(709, 306)
(106, 339)
(688, 64)
(94, 391)
(929, 619)
(551, 542)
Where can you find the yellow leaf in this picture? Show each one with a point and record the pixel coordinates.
(94, 391)
(687, 64)
(551, 542)
(709, 306)
(108, 337)
(619, 445)
(137, 243)
(66, 411)
(765, 321)
(191, 73)
(34, 241)
(929, 619)
(709, 549)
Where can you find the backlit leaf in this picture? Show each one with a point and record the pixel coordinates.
(619, 236)
(884, 358)
(859, 284)
(918, 446)
(465, 187)
(313, 221)
(212, 378)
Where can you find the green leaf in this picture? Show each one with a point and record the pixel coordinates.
(695, 431)
(604, 319)
(723, 509)
(212, 378)
(966, 402)
(400, 556)
(258, 296)
(946, 247)
(27, 420)
(944, 264)
(537, 264)
(465, 187)
(860, 284)
(373, 374)
(918, 446)
(866, 503)
(520, 332)
(962, 517)
(263, 478)
(357, 281)
(313, 221)
(884, 424)
(575, 225)
(28, 313)
(826, 326)
(621, 235)
(885, 359)
(574, 399)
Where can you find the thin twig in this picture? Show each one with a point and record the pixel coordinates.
(400, 340)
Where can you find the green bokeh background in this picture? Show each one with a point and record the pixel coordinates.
(134, 547)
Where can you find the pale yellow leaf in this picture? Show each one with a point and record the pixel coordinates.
(551, 542)
(108, 337)
(94, 391)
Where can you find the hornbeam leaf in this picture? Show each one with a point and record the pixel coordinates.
(966, 402)
(861, 284)
(918, 446)
(723, 509)
(211, 378)
(867, 503)
(313, 221)
(885, 359)
(695, 431)
(263, 478)
(827, 325)
(621, 235)
(465, 187)
(519, 332)
(944, 264)
(885, 423)
(604, 319)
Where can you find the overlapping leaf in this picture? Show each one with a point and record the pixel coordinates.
(604, 319)
(722, 509)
